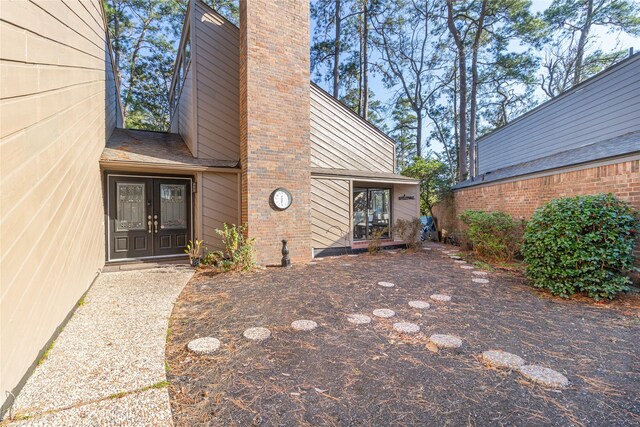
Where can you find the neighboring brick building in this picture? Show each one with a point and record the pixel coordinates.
(585, 141)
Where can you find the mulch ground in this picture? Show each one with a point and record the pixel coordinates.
(343, 374)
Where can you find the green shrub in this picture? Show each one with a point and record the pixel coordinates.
(581, 244)
(409, 231)
(238, 254)
(494, 235)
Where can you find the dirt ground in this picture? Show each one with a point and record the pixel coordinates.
(343, 374)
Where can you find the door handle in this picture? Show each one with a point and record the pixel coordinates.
(155, 223)
(149, 224)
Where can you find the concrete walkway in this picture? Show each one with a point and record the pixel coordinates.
(107, 365)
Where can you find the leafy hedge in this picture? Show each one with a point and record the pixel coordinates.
(581, 244)
(494, 235)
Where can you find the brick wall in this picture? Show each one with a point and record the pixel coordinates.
(275, 124)
(521, 198)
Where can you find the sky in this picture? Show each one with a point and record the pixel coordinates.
(605, 41)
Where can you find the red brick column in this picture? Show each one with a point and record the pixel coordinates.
(275, 124)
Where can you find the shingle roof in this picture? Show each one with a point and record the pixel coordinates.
(129, 146)
(614, 147)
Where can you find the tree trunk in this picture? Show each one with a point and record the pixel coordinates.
(336, 52)
(462, 111)
(584, 34)
(365, 61)
(474, 92)
(419, 134)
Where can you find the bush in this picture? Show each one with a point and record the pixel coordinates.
(581, 244)
(493, 235)
(409, 231)
(374, 243)
(238, 254)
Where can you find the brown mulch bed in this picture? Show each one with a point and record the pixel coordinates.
(351, 375)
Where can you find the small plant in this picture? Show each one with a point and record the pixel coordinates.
(374, 243)
(194, 250)
(493, 235)
(238, 253)
(581, 244)
(409, 230)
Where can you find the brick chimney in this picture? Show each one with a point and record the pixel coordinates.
(274, 125)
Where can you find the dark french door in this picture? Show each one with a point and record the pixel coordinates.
(148, 216)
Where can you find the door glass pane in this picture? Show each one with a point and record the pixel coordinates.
(380, 212)
(131, 206)
(359, 214)
(173, 206)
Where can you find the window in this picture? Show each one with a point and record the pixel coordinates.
(371, 213)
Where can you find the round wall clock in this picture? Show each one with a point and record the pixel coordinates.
(281, 198)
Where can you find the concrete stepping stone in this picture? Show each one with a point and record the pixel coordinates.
(385, 313)
(440, 297)
(455, 257)
(426, 249)
(502, 359)
(419, 304)
(406, 327)
(480, 273)
(544, 376)
(467, 267)
(257, 334)
(445, 341)
(386, 284)
(304, 325)
(459, 261)
(477, 280)
(359, 319)
(204, 345)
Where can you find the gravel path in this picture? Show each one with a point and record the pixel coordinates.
(107, 365)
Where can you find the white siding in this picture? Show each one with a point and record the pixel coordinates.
(342, 140)
(330, 213)
(52, 132)
(606, 107)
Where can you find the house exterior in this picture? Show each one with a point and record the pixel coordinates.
(584, 141)
(79, 191)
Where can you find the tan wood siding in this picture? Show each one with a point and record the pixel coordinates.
(220, 204)
(330, 217)
(185, 115)
(52, 132)
(405, 209)
(218, 99)
(341, 140)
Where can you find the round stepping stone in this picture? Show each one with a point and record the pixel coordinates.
(480, 273)
(406, 327)
(502, 359)
(257, 334)
(359, 319)
(544, 376)
(419, 304)
(458, 261)
(304, 325)
(205, 345)
(476, 280)
(386, 284)
(440, 297)
(445, 341)
(426, 249)
(384, 313)
(467, 267)
(455, 257)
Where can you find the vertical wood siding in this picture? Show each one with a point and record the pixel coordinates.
(52, 132)
(606, 107)
(330, 213)
(341, 140)
(218, 55)
(220, 203)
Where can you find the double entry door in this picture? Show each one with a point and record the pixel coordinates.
(148, 216)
